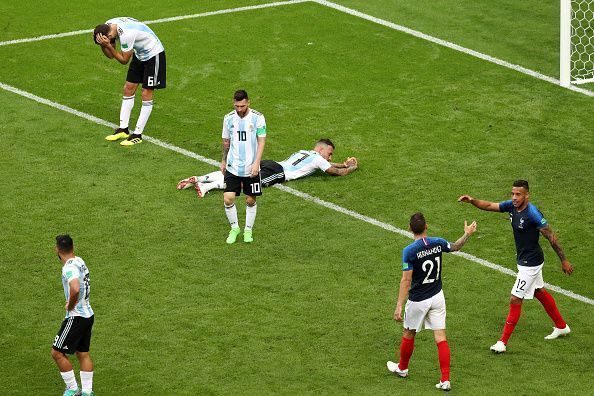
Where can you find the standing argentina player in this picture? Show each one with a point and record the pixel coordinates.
(139, 43)
(300, 164)
(421, 280)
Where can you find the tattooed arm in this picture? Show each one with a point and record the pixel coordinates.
(226, 145)
(548, 233)
(468, 231)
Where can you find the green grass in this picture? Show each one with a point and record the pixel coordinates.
(307, 308)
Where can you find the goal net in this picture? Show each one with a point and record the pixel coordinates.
(577, 42)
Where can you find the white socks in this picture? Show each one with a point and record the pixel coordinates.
(86, 381)
(250, 216)
(125, 110)
(69, 380)
(145, 112)
(231, 212)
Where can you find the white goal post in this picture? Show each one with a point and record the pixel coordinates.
(576, 42)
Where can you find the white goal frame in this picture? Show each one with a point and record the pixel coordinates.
(572, 51)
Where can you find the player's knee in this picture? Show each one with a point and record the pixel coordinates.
(129, 89)
(57, 355)
(515, 300)
(147, 94)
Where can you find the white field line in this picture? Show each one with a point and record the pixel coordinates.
(170, 19)
(297, 193)
(453, 46)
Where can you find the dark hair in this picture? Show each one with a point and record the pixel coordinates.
(521, 183)
(327, 142)
(240, 95)
(64, 243)
(103, 29)
(417, 223)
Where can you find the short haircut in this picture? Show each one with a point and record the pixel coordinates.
(103, 29)
(417, 223)
(521, 183)
(240, 95)
(64, 243)
(327, 142)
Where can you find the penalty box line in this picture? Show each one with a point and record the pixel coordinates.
(297, 193)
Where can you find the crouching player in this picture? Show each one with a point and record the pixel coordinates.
(421, 281)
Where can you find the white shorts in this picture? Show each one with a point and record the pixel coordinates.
(430, 312)
(527, 281)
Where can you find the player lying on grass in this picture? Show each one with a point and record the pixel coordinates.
(300, 164)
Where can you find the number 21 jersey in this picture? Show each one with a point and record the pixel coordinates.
(423, 258)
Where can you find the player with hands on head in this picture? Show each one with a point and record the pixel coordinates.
(422, 268)
(528, 224)
(148, 67)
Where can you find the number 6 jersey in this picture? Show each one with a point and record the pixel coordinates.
(423, 257)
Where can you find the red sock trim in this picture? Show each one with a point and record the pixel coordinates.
(443, 353)
(548, 302)
(510, 323)
(406, 350)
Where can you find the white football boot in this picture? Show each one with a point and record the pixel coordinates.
(393, 368)
(558, 333)
(499, 347)
(445, 385)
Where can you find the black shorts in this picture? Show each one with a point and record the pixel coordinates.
(252, 186)
(271, 172)
(74, 335)
(151, 73)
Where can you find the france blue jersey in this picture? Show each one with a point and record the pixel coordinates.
(423, 258)
(526, 225)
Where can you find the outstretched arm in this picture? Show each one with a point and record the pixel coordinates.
(402, 294)
(548, 233)
(468, 231)
(483, 205)
(348, 166)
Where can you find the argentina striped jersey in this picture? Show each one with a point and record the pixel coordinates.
(76, 268)
(137, 36)
(303, 163)
(243, 134)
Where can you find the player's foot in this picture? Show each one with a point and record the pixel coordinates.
(186, 183)
(72, 392)
(132, 140)
(445, 385)
(233, 234)
(247, 236)
(200, 190)
(91, 393)
(393, 368)
(558, 333)
(120, 133)
(499, 347)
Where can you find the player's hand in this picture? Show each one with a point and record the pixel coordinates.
(66, 306)
(223, 166)
(351, 161)
(469, 229)
(102, 40)
(465, 198)
(255, 169)
(398, 314)
(566, 267)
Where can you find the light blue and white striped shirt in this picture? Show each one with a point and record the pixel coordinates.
(137, 36)
(75, 268)
(303, 163)
(243, 134)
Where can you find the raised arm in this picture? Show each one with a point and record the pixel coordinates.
(548, 233)
(402, 294)
(468, 231)
(483, 205)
